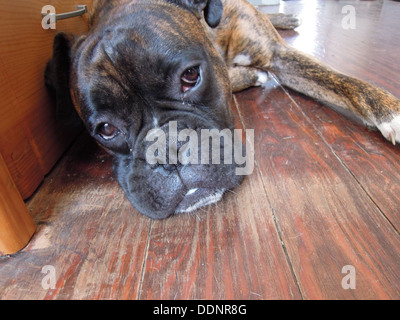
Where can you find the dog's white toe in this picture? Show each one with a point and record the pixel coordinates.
(391, 130)
(263, 78)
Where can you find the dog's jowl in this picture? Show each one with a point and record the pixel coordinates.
(171, 66)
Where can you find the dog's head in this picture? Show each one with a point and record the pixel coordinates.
(147, 83)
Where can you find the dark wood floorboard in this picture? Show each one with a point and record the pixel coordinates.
(324, 194)
(228, 251)
(87, 230)
(325, 218)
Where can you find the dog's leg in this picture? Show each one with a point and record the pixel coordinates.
(248, 38)
(284, 21)
(244, 77)
(373, 105)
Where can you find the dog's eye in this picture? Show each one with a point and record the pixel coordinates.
(107, 131)
(190, 78)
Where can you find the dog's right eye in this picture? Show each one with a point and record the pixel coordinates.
(107, 131)
(190, 78)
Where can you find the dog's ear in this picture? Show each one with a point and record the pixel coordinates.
(213, 9)
(213, 12)
(57, 80)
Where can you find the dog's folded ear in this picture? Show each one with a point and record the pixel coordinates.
(213, 12)
(213, 9)
(57, 80)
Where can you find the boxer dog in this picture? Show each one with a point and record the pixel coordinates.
(145, 64)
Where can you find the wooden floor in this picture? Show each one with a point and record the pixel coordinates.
(325, 194)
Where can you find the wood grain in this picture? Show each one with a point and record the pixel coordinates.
(16, 224)
(38, 139)
(326, 219)
(87, 231)
(369, 52)
(367, 156)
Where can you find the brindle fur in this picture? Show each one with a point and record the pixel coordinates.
(244, 30)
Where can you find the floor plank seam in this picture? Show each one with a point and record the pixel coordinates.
(276, 224)
(348, 170)
(146, 251)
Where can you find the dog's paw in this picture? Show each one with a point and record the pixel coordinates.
(262, 78)
(391, 129)
(284, 21)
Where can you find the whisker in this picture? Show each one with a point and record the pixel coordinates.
(197, 216)
(232, 191)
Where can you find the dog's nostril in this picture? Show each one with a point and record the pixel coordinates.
(154, 166)
(166, 167)
(169, 167)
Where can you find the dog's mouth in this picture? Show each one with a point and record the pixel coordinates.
(167, 175)
(199, 197)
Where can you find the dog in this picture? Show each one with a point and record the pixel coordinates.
(145, 64)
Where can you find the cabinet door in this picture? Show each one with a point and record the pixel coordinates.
(31, 138)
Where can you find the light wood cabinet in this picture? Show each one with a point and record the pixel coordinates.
(31, 138)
